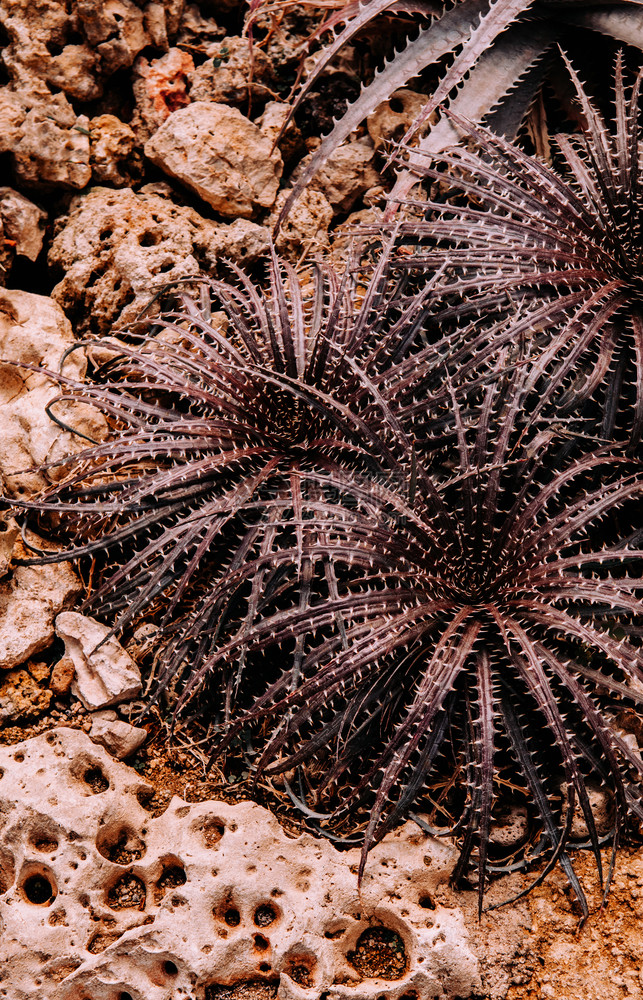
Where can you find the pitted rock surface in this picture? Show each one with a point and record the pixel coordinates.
(101, 898)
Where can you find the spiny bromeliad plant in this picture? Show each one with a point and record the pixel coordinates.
(482, 619)
(551, 257)
(498, 51)
(239, 438)
(390, 624)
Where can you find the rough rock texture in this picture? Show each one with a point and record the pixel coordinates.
(21, 222)
(114, 157)
(347, 174)
(219, 154)
(101, 898)
(224, 77)
(390, 122)
(117, 248)
(104, 673)
(48, 141)
(305, 229)
(21, 697)
(34, 329)
(76, 48)
(30, 599)
(118, 737)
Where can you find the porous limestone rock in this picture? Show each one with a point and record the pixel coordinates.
(101, 898)
(232, 74)
(34, 329)
(22, 222)
(305, 229)
(117, 248)
(114, 157)
(347, 174)
(105, 674)
(118, 737)
(393, 118)
(30, 599)
(76, 47)
(48, 141)
(277, 124)
(221, 155)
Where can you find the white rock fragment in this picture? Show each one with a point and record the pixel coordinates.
(99, 898)
(105, 674)
(119, 738)
(221, 155)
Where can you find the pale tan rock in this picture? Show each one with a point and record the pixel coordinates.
(219, 154)
(34, 329)
(160, 88)
(347, 174)
(117, 248)
(22, 222)
(100, 898)
(224, 78)
(105, 674)
(275, 124)
(53, 149)
(115, 30)
(305, 228)
(30, 599)
(119, 738)
(114, 156)
(510, 827)
(393, 118)
(243, 242)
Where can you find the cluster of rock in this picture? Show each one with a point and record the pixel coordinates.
(200, 108)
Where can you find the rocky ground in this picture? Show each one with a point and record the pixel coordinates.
(136, 147)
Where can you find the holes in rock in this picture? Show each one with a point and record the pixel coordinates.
(152, 801)
(261, 944)
(42, 841)
(252, 989)
(19, 757)
(264, 967)
(149, 239)
(426, 902)
(105, 234)
(264, 915)
(170, 968)
(57, 917)
(411, 996)
(164, 268)
(39, 889)
(212, 830)
(301, 966)
(96, 780)
(232, 917)
(333, 935)
(173, 876)
(101, 941)
(128, 892)
(120, 845)
(396, 105)
(125, 996)
(379, 954)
